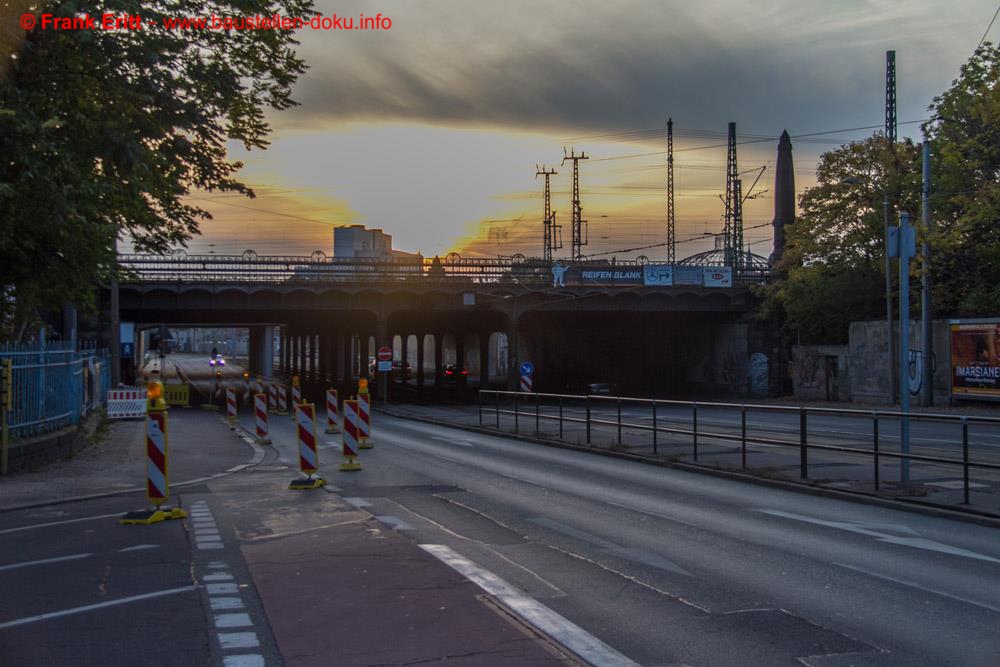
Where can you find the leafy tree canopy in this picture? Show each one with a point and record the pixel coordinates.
(103, 134)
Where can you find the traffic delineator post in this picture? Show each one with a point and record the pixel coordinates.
(282, 400)
(260, 416)
(350, 438)
(332, 417)
(231, 405)
(305, 427)
(296, 394)
(272, 398)
(365, 418)
(157, 464)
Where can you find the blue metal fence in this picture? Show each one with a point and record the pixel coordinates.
(53, 385)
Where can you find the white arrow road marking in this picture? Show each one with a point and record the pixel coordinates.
(44, 561)
(99, 605)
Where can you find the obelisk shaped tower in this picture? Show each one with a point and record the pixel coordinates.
(784, 195)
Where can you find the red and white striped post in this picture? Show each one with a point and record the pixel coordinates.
(351, 433)
(272, 397)
(305, 430)
(282, 400)
(260, 414)
(365, 421)
(332, 418)
(231, 405)
(526, 383)
(157, 475)
(296, 395)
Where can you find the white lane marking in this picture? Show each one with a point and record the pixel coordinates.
(92, 607)
(221, 576)
(570, 635)
(243, 661)
(222, 589)
(862, 529)
(921, 587)
(238, 468)
(235, 620)
(230, 640)
(139, 547)
(218, 565)
(209, 545)
(58, 523)
(219, 604)
(635, 554)
(357, 502)
(44, 561)
(394, 521)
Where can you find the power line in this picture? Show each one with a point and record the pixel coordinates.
(983, 39)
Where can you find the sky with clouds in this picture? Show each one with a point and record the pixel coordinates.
(432, 129)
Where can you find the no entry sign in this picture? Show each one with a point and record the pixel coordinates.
(385, 358)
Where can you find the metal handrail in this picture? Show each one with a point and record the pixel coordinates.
(494, 406)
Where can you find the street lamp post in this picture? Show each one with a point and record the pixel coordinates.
(902, 244)
(926, 314)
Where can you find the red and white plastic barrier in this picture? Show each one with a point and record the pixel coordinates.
(260, 415)
(296, 397)
(272, 398)
(305, 423)
(365, 421)
(126, 403)
(157, 480)
(231, 404)
(526, 383)
(350, 437)
(332, 417)
(282, 400)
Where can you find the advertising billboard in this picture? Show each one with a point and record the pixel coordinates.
(718, 276)
(975, 359)
(658, 274)
(605, 274)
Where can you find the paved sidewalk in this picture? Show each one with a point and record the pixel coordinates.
(333, 584)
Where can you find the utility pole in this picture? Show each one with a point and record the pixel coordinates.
(926, 314)
(671, 221)
(902, 244)
(890, 135)
(550, 231)
(115, 317)
(579, 231)
(733, 229)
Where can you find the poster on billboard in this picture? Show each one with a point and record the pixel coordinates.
(718, 276)
(687, 275)
(975, 359)
(605, 275)
(658, 274)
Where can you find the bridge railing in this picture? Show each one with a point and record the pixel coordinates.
(516, 271)
(728, 431)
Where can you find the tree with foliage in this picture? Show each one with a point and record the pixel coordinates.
(104, 132)
(965, 194)
(833, 270)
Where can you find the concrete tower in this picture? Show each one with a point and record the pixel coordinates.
(784, 195)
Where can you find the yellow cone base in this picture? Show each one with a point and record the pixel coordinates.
(146, 517)
(350, 466)
(210, 406)
(282, 414)
(332, 430)
(263, 441)
(307, 484)
(366, 444)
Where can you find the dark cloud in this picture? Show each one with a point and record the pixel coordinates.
(565, 64)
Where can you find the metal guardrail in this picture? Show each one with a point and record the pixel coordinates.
(250, 268)
(509, 403)
(51, 385)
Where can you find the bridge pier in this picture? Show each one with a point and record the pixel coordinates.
(261, 352)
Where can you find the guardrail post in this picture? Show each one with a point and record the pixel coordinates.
(619, 420)
(560, 416)
(588, 419)
(654, 426)
(498, 410)
(965, 459)
(875, 444)
(538, 403)
(743, 435)
(694, 429)
(803, 445)
(517, 415)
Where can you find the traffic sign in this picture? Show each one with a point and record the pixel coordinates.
(128, 349)
(527, 368)
(385, 353)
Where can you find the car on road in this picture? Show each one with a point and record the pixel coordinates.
(451, 375)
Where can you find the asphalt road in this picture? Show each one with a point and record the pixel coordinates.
(675, 568)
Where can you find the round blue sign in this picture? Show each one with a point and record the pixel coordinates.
(527, 368)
